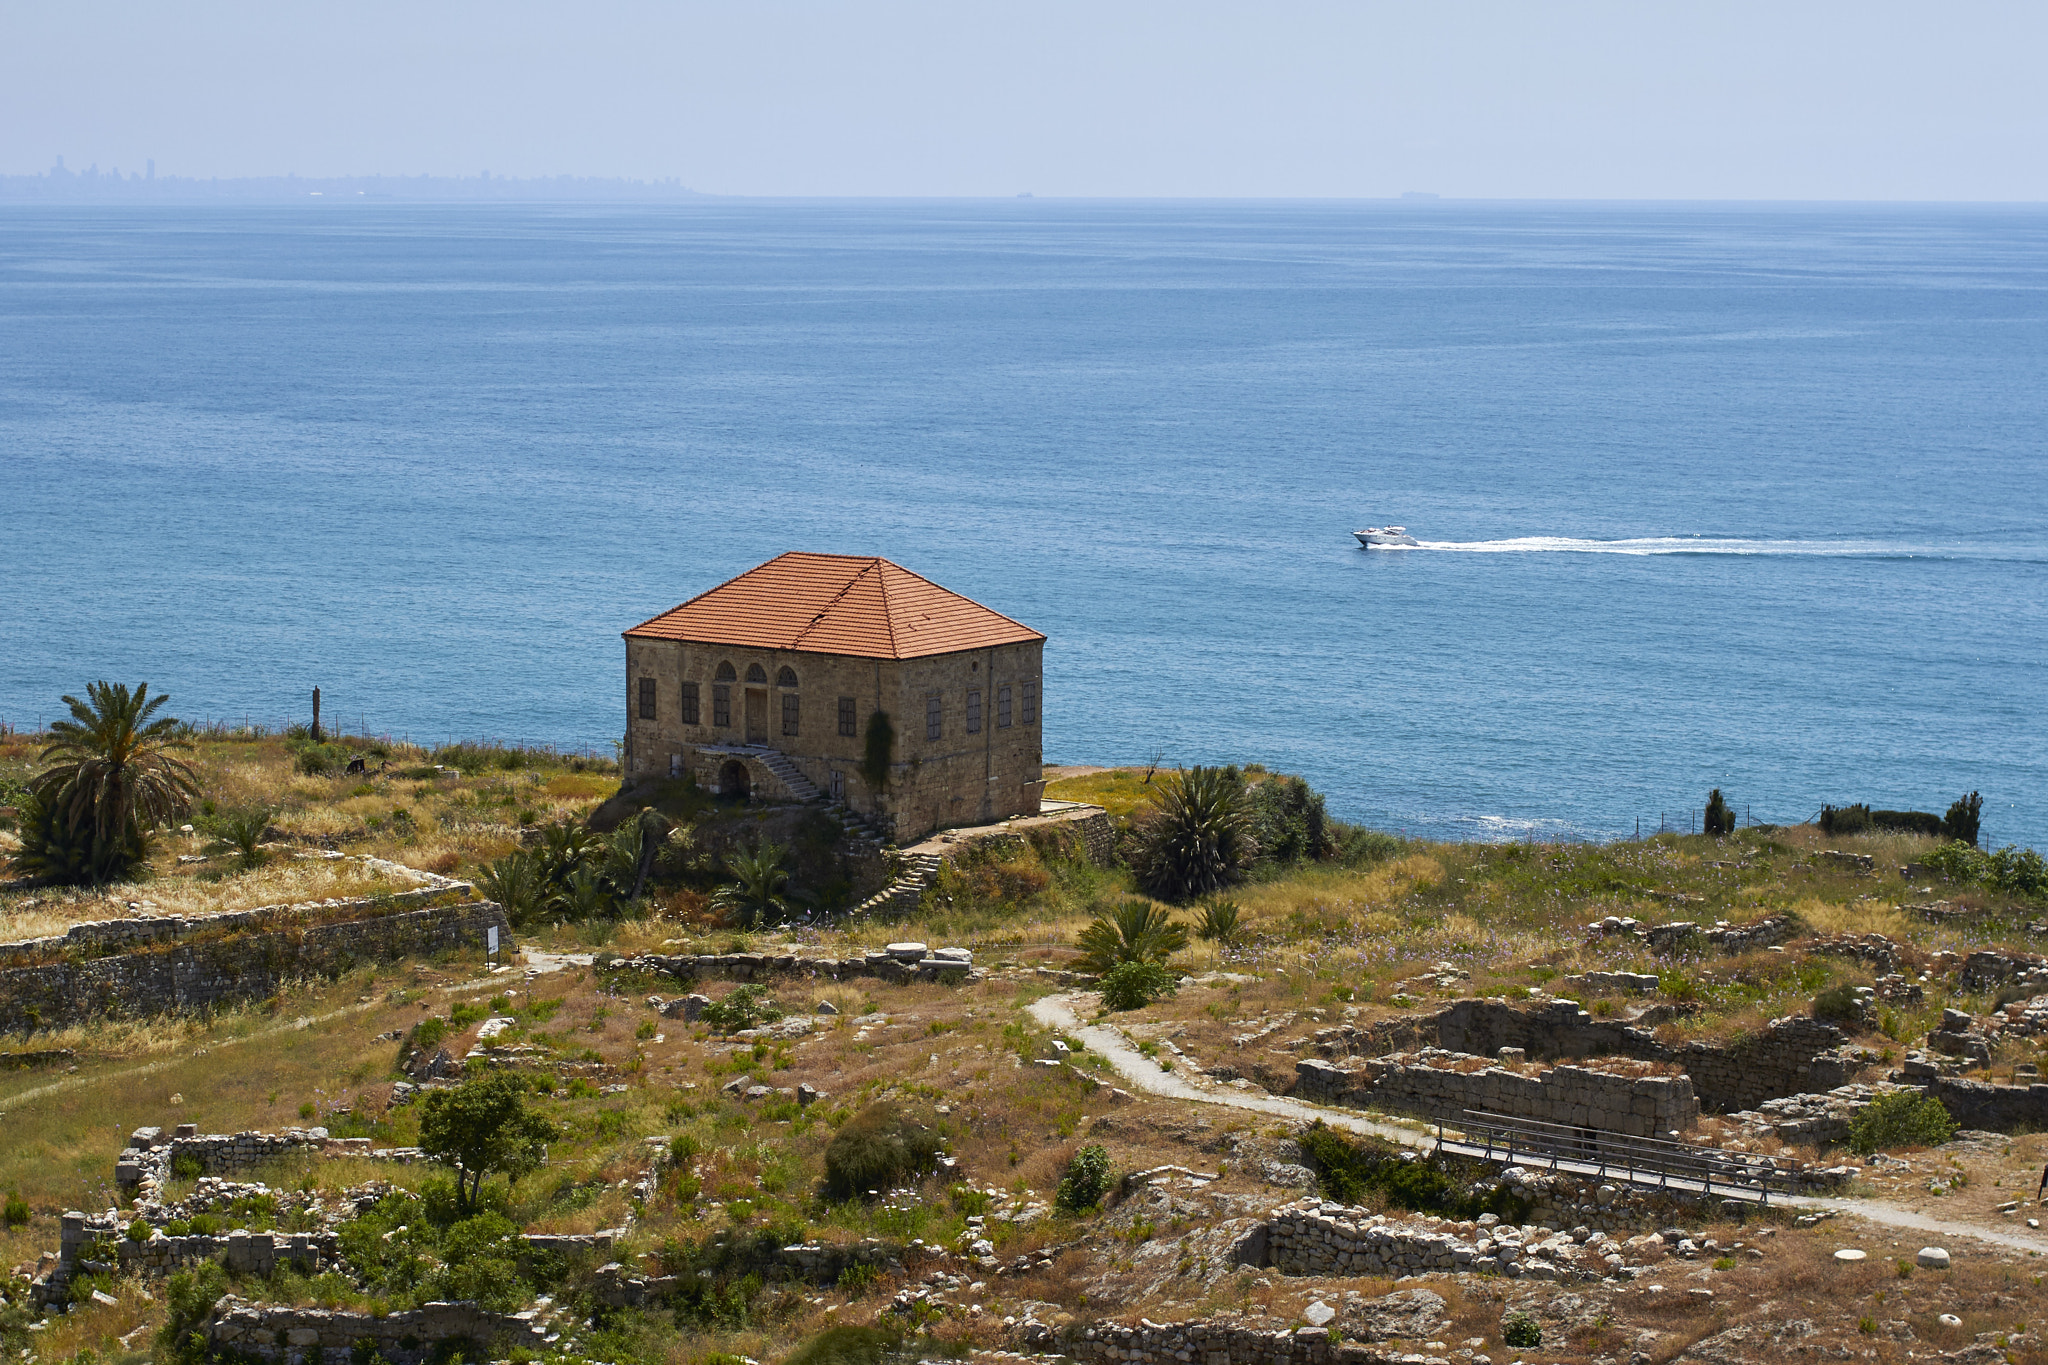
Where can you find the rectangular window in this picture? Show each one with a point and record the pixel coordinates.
(690, 712)
(1002, 708)
(789, 713)
(1031, 703)
(647, 699)
(846, 725)
(973, 710)
(721, 706)
(934, 716)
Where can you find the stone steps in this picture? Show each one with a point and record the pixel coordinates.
(915, 876)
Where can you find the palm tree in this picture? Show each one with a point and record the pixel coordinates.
(516, 882)
(1195, 838)
(755, 893)
(584, 895)
(1136, 931)
(241, 832)
(112, 772)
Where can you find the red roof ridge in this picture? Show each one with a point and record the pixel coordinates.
(823, 604)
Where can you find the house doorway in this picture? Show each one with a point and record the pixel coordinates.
(733, 780)
(757, 716)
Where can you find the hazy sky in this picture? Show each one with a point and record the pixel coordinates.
(1717, 100)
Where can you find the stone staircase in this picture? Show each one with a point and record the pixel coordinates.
(801, 788)
(914, 876)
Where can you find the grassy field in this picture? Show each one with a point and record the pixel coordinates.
(1372, 936)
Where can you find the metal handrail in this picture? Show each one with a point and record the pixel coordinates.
(1611, 1152)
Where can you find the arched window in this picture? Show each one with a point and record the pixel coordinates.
(725, 673)
(785, 677)
(756, 673)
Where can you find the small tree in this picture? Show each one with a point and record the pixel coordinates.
(1961, 822)
(1719, 819)
(482, 1126)
(1901, 1118)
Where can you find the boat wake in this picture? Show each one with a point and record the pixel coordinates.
(1725, 545)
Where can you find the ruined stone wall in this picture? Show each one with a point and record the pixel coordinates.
(1210, 1343)
(182, 977)
(1793, 1055)
(767, 966)
(243, 1253)
(1999, 1108)
(296, 1336)
(1431, 1084)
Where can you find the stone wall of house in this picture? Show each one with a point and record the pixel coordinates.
(1619, 1098)
(959, 778)
(297, 1336)
(1791, 1056)
(180, 977)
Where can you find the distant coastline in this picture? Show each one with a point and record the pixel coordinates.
(93, 186)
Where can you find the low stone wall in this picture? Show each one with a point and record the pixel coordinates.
(293, 1336)
(1438, 1084)
(243, 1253)
(766, 966)
(188, 976)
(1792, 1056)
(1986, 969)
(99, 937)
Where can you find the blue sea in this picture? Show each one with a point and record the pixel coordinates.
(1749, 497)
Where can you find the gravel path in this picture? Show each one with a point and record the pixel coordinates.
(1143, 1073)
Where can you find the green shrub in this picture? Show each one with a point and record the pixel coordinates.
(187, 1166)
(1963, 818)
(138, 1231)
(1287, 820)
(743, 1008)
(1838, 820)
(857, 1279)
(1838, 1004)
(73, 853)
(1901, 1118)
(190, 1298)
(16, 1214)
(1521, 1331)
(1719, 819)
(1195, 838)
(876, 1148)
(848, 1345)
(1134, 985)
(1086, 1182)
(1907, 822)
(1135, 931)
(1349, 1169)
(2018, 871)
(1219, 921)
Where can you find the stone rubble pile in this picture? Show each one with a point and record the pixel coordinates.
(1820, 1119)
(1317, 1238)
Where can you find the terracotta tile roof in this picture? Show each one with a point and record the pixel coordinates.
(835, 604)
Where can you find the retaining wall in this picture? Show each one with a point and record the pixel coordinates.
(1208, 1343)
(252, 966)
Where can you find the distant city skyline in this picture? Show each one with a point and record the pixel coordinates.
(1487, 99)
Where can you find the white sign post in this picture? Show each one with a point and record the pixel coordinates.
(491, 942)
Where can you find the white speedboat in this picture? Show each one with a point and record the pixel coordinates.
(1384, 535)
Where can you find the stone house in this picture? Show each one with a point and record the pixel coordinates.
(769, 687)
